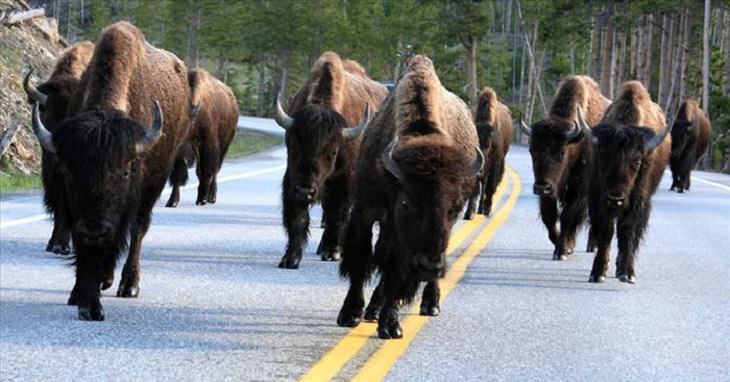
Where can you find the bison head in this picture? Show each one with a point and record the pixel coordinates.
(314, 137)
(683, 133)
(52, 97)
(620, 155)
(487, 133)
(554, 145)
(99, 154)
(430, 195)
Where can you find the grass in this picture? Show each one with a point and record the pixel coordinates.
(245, 143)
(248, 142)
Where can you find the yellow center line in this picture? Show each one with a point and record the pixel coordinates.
(348, 347)
(377, 367)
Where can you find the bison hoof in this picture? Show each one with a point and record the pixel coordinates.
(596, 279)
(390, 331)
(680, 190)
(330, 255)
(127, 291)
(72, 299)
(348, 319)
(624, 278)
(432, 310)
(290, 262)
(95, 313)
(468, 215)
(201, 202)
(560, 257)
(59, 249)
(372, 313)
(171, 203)
(590, 249)
(107, 283)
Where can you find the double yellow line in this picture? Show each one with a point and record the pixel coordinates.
(378, 365)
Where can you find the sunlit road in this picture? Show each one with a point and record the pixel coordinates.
(213, 305)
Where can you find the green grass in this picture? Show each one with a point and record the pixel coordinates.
(248, 142)
(245, 143)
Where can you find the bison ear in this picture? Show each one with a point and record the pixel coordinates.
(153, 133)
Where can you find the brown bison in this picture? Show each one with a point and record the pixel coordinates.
(494, 127)
(214, 117)
(53, 97)
(321, 150)
(559, 160)
(690, 137)
(115, 155)
(418, 166)
(630, 152)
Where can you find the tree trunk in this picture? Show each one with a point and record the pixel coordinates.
(621, 71)
(671, 95)
(284, 74)
(470, 45)
(606, 54)
(262, 84)
(707, 163)
(634, 50)
(647, 50)
(684, 61)
(663, 52)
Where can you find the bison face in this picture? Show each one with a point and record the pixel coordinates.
(99, 154)
(554, 145)
(487, 133)
(681, 136)
(621, 154)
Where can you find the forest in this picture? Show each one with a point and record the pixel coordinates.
(679, 49)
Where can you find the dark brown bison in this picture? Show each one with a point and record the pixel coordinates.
(214, 115)
(115, 155)
(690, 137)
(630, 151)
(53, 97)
(418, 166)
(494, 127)
(321, 150)
(559, 160)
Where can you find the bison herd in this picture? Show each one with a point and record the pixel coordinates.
(120, 118)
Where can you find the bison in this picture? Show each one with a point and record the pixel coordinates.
(214, 116)
(115, 156)
(559, 160)
(418, 165)
(321, 150)
(53, 97)
(494, 127)
(690, 137)
(630, 151)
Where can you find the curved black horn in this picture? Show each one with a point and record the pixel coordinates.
(282, 119)
(478, 163)
(388, 161)
(34, 94)
(658, 139)
(523, 126)
(45, 137)
(153, 133)
(355, 132)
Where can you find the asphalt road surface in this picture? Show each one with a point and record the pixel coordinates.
(214, 306)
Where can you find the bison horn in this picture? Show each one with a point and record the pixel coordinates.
(355, 132)
(34, 94)
(478, 163)
(658, 139)
(523, 126)
(153, 132)
(195, 109)
(388, 161)
(45, 137)
(282, 119)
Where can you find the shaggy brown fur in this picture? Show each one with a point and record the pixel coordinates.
(435, 154)
(321, 163)
(624, 175)
(559, 164)
(212, 132)
(58, 89)
(688, 143)
(111, 186)
(494, 126)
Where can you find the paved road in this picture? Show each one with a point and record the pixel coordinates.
(213, 305)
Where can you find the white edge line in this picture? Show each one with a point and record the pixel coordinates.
(705, 181)
(229, 178)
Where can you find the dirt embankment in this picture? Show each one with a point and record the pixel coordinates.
(33, 44)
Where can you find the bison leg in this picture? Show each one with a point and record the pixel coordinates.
(629, 232)
(356, 265)
(213, 192)
(471, 205)
(549, 216)
(372, 312)
(493, 180)
(334, 206)
(178, 178)
(208, 165)
(591, 246)
(603, 231)
(54, 197)
(296, 222)
(570, 219)
(430, 299)
(86, 291)
(129, 284)
(60, 240)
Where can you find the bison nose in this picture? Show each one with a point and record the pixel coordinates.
(542, 189)
(429, 268)
(94, 228)
(307, 191)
